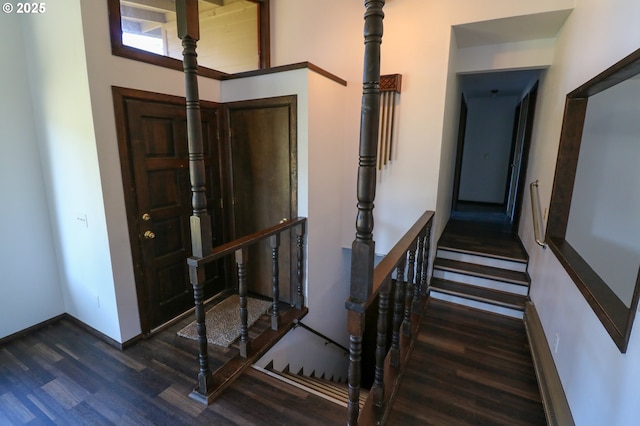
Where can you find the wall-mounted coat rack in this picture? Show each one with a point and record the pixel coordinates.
(389, 91)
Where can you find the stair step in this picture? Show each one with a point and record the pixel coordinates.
(482, 259)
(521, 257)
(480, 294)
(482, 271)
(332, 391)
(487, 307)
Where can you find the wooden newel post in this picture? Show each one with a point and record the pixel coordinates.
(201, 240)
(189, 33)
(363, 247)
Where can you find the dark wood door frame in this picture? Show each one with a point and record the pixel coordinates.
(121, 96)
(233, 133)
(521, 157)
(462, 128)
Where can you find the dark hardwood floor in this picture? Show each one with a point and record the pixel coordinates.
(483, 237)
(468, 367)
(62, 375)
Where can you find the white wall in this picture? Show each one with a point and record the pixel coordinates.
(514, 55)
(58, 78)
(601, 383)
(29, 285)
(487, 149)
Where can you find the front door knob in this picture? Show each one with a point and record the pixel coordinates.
(149, 235)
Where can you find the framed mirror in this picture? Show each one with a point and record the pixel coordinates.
(594, 225)
(234, 34)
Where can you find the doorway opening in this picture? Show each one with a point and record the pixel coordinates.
(496, 120)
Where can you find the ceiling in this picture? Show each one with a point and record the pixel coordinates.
(513, 29)
(506, 30)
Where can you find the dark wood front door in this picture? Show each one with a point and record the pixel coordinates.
(155, 166)
(264, 181)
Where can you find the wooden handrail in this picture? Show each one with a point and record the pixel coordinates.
(246, 241)
(410, 255)
(537, 216)
(389, 263)
(240, 248)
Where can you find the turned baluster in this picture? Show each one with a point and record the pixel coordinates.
(241, 262)
(381, 343)
(408, 299)
(205, 378)
(275, 280)
(355, 328)
(300, 230)
(418, 282)
(424, 290)
(398, 310)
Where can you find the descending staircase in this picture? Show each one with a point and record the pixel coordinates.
(334, 391)
(481, 279)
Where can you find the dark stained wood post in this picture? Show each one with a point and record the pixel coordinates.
(363, 247)
(355, 324)
(411, 271)
(201, 240)
(189, 33)
(418, 281)
(241, 261)
(381, 343)
(275, 279)
(398, 313)
(424, 285)
(300, 231)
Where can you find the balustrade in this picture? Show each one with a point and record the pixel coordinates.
(239, 248)
(389, 278)
(410, 255)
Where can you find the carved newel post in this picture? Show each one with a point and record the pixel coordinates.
(201, 240)
(363, 247)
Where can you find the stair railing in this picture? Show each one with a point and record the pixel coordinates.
(327, 340)
(366, 283)
(240, 248)
(537, 215)
(408, 258)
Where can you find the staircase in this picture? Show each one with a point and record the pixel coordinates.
(334, 391)
(470, 271)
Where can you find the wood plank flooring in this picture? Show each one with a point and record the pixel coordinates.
(63, 375)
(468, 367)
(483, 237)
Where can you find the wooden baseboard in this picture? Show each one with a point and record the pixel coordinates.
(31, 329)
(108, 340)
(76, 321)
(554, 399)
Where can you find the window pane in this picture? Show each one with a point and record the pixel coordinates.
(228, 31)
